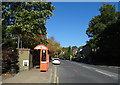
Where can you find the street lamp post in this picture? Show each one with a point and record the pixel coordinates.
(18, 42)
(70, 53)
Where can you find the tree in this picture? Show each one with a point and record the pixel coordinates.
(25, 19)
(66, 52)
(104, 32)
(54, 47)
(100, 22)
(74, 47)
(23, 22)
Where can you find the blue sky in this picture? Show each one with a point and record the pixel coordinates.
(83, 0)
(61, 0)
(70, 21)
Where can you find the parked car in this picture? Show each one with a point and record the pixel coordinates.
(56, 61)
(52, 59)
(77, 59)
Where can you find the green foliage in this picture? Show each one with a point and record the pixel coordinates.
(25, 20)
(105, 33)
(100, 22)
(74, 47)
(108, 13)
(28, 19)
(67, 52)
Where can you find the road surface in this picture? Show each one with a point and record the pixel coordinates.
(68, 72)
(73, 72)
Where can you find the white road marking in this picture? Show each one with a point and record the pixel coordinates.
(55, 75)
(110, 74)
(57, 80)
(104, 73)
(50, 80)
(86, 67)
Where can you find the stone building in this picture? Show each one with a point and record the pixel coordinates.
(25, 59)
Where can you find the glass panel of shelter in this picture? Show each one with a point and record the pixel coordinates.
(43, 55)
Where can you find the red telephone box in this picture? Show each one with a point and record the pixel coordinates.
(44, 57)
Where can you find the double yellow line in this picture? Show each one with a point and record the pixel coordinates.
(56, 78)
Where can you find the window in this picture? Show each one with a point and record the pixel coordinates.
(44, 55)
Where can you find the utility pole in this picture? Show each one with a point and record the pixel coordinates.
(21, 42)
(18, 42)
(70, 53)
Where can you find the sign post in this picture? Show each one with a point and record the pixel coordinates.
(44, 57)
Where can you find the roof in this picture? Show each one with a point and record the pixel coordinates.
(23, 49)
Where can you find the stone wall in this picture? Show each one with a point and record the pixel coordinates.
(25, 59)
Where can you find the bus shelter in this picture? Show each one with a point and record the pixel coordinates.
(44, 57)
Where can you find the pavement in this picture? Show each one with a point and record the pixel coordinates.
(0, 80)
(32, 76)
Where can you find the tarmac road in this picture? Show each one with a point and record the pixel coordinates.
(73, 72)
